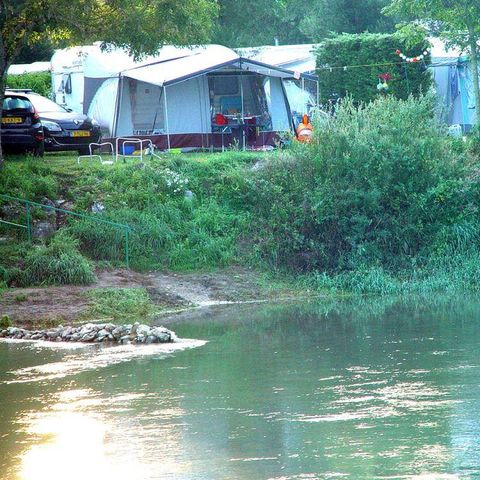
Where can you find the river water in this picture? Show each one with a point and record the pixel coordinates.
(371, 389)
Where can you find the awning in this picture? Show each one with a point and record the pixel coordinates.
(213, 58)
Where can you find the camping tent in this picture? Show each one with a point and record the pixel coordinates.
(452, 75)
(210, 98)
(77, 72)
(301, 92)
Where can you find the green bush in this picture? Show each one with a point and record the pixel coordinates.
(381, 184)
(39, 82)
(59, 263)
(360, 83)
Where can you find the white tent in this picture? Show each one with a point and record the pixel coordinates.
(77, 72)
(176, 102)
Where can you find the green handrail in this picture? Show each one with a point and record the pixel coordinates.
(28, 204)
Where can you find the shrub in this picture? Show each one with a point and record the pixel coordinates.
(370, 49)
(39, 82)
(381, 184)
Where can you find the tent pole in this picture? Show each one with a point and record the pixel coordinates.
(243, 111)
(118, 101)
(166, 116)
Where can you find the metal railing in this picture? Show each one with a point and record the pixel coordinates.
(28, 208)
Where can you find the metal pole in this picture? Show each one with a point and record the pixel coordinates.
(29, 223)
(243, 112)
(127, 259)
(166, 117)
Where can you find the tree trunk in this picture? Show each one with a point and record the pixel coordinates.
(476, 85)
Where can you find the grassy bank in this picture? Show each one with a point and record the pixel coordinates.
(383, 201)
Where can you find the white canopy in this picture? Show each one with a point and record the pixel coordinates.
(214, 57)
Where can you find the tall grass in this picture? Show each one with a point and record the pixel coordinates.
(59, 263)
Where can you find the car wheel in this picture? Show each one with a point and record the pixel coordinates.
(84, 151)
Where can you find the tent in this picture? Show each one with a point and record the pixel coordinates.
(178, 102)
(77, 72)
(301, 92)
(452, 75)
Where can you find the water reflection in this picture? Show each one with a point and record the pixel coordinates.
(293, 392)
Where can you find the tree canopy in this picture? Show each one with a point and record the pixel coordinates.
(243, 23)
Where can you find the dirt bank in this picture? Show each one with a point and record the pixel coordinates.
(168, 291)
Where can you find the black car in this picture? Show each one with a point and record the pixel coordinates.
(64, 130)
(21, 127)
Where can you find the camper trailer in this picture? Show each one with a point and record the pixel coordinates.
(212, 98)
(77, 72)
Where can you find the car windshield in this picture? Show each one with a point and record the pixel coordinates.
(16, 103)
(43, 105)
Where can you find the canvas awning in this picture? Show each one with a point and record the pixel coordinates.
(215, 57)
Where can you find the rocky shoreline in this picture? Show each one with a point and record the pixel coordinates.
(95, 333)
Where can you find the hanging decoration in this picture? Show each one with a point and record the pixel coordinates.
(383, 79)
(416, 59)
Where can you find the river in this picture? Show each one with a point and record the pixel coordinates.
(368, 389)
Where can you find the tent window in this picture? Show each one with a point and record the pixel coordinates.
(66, 84)
(226, 96)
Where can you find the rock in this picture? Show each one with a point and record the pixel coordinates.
(122, 334)
(143, 330)
(43, 229)
(134, 328)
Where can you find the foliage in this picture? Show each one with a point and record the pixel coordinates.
(59, 263)
(121, 304)
(39, 82)
(243, 23)
(380, 186)
(29, 179)
(5, 321)
(370, 49)
(342, 16)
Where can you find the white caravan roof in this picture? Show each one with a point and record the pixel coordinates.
(299, 58)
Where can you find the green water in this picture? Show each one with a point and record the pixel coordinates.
(359, 390)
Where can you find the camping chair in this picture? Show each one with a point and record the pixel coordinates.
(220, 125)
(92, 156)
(148, 149)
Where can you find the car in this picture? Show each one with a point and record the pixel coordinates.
(21, 128)
(64, 129)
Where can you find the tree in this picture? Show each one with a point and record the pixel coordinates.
(325, 17)
(141, 26)
(456, 21)
(247, 23)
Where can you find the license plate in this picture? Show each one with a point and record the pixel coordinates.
(12, 120)
(80, 133)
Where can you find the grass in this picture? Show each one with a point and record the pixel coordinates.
(119, 305)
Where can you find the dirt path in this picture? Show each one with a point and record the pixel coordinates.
(167, 290)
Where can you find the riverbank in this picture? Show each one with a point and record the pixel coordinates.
(155, 294)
